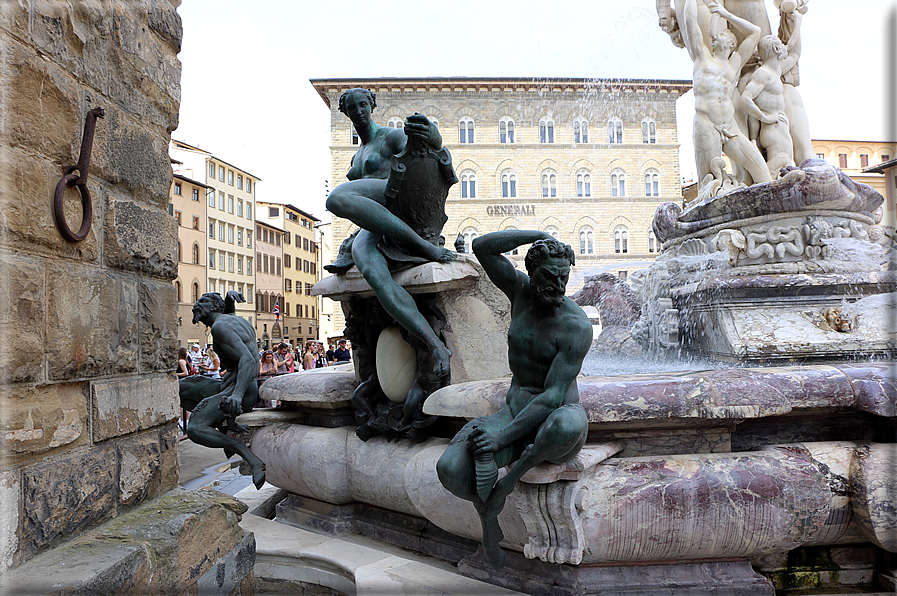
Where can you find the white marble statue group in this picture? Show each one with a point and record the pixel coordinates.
(745, 85)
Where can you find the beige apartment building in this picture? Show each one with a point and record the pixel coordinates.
(856, 158)
(269, 305)
(187, 206)
(585, 160)
(300, 310)
(888, 171)
(229, 221)
(328, 308)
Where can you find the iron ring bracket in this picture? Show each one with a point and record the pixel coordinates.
(70, 178)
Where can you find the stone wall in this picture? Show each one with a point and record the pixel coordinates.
(87, 330)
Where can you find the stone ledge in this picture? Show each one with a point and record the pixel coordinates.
(723, 395)
(165, 545)
(428, 277)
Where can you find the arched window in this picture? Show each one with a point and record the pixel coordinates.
(580, 131)
(586, 241)
(621, 240)
(195, 254)
(465, 130)
(195, 292)
(583, 183)
(468, 185)
(618, 183)
(652, 184)
(652, 241)
(553, 232)
(508, 184)
(649, 131)
(469, 234)
(549, 184)
(614, 131)
(179, 251)
(396, 122)
(546, 130)
(177, 287)
(506, 131)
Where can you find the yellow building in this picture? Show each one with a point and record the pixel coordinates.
(269, 306)
(888, 172)
(855, 157)
(229, 224)
(300, 311)
(586, 160)
(328, 308)
(187, 206)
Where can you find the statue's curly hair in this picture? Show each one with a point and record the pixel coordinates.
(214, 299)
(370, 94)
(544, 249)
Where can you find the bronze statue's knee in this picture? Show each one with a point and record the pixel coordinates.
(453, 468)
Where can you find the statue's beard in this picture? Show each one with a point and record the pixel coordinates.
(548, 295)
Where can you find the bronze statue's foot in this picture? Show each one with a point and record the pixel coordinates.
(258, 475)
(438, 253)
(237, 428)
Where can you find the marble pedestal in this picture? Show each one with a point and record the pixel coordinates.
(477, 314)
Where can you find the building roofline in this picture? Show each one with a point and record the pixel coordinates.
(213, 156)
(270, 225)
(321, 85)
(191, 180)
(880, 168)
(852, 141)
(291, 206)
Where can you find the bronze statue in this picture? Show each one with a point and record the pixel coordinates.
(234, 341)
(542, 419)
(398, 184)
(372, 199)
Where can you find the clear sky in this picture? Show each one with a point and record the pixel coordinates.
(246, 65)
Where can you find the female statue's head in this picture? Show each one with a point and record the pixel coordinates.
(371, 98)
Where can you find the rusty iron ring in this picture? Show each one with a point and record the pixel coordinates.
(70, 179)
(86, 208)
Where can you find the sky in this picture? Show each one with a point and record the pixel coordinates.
(246, 96)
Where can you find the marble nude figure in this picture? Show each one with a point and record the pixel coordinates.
(745, 86)
(541, 420)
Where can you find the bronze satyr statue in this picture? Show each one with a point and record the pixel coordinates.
(396, 193)
(233, 339)
(542, 419)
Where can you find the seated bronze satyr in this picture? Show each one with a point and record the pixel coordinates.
(233, 339)
(396, 192)
(542, 420)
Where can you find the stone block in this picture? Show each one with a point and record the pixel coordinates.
(166, 22)
(166, 546)
(141, 239)
(64, 496)
(158, 326)
(28, 221)
(99, 336)
(132, 154)
(47, 100)
(170, 472)
(144, 72)
(139, 468)
(138, 403)
(21, 317)
(74, 35)
(10, 512)
(36, 419)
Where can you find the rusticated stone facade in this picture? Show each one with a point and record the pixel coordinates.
(87, 330)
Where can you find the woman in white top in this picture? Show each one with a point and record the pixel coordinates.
(211, 365)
